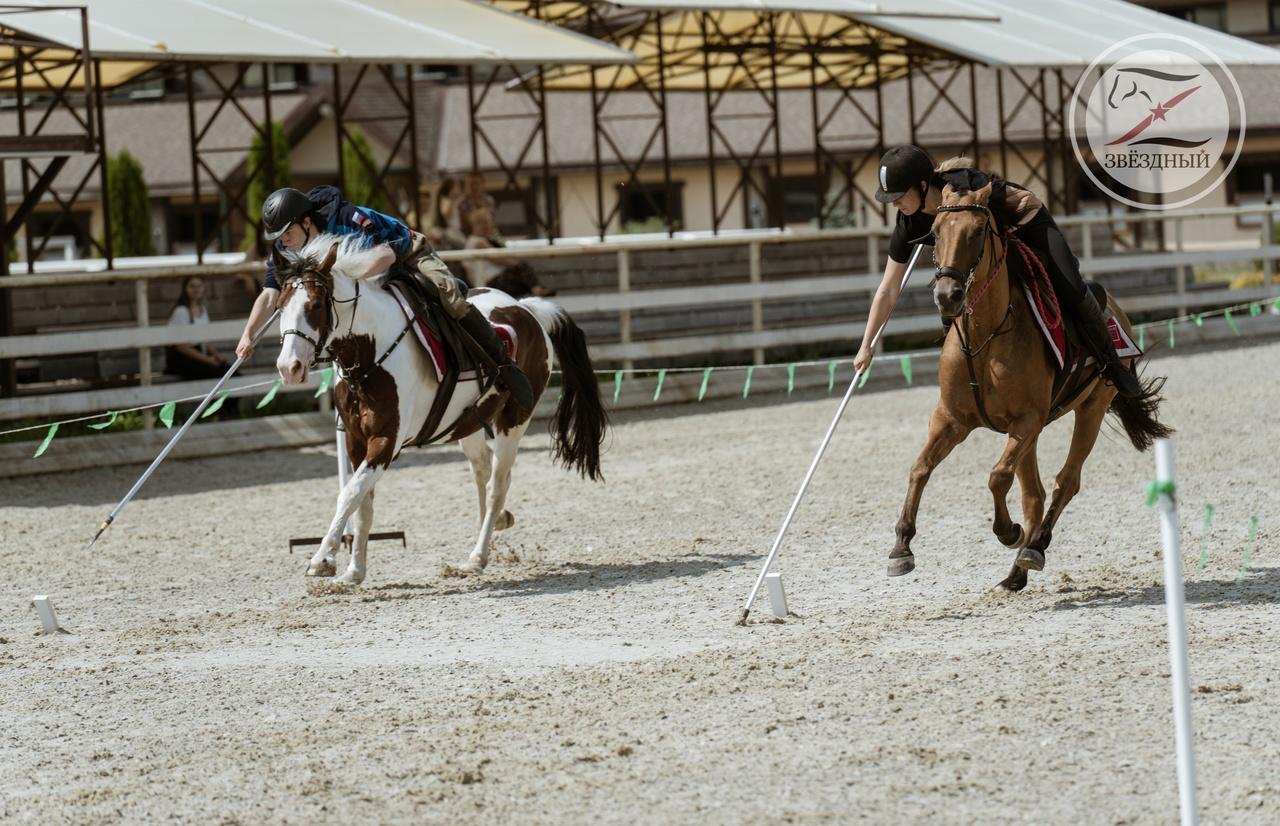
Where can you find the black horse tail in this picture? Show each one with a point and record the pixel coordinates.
(578, 427)
(1138, 414)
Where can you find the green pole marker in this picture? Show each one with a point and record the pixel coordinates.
(48, 439)
(1171, 343)
(1276, 306)
(865, 373)
(617, 385)
(1204, 540)
(1154, 489)
(905, 362)
(662, 378)
(791, 379)
(1142, 337)
(166, 414)
(706, 377)
(1255, 309)
(1231, 322)
(271, 395)
(325, 378)
(1198, 319)
(746, 385)
(1251, 542)
(107, 423)
(216, 406)
(831, 376)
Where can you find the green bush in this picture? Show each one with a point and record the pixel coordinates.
(262, 184)
(130, 208)
(359, 173)
(654, 223)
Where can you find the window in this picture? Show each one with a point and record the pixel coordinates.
(797, 198)
(182, 227)
(647, 205)
(68, 236)
(1247, 186)
(1275, 15)
(284, 76)
(1209, 15)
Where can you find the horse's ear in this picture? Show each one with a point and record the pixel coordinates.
(982, 196)
(327, 264)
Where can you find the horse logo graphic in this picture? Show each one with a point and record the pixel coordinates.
(1157, 110)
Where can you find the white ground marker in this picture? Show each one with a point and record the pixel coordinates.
(48, 619)
(777, 597)
(1174, 602)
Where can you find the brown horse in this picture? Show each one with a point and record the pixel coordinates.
(995, 372)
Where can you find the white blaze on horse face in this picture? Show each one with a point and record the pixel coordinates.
(295, 351)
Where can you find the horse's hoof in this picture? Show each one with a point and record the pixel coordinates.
(902, 565)
(463, 570)
(1029, 559)
(350, 579)
(1013, 584)
(505, 521)
(1017, 536)
(326, 568)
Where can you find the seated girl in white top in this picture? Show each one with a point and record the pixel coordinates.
(193, 361)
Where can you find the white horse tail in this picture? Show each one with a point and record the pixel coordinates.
(577, 430)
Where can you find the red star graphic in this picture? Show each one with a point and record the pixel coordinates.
(1159, 112)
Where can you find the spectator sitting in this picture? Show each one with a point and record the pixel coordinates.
(475, 199)
(193, 361)
(483, 237)
(445, 230)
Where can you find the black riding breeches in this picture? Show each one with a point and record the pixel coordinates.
(1042, 234)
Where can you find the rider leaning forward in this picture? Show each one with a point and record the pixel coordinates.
(291, 219)
(909, 181)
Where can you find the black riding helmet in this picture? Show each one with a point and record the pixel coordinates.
(902, 169)
(282, 208)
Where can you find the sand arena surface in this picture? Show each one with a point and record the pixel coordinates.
(594, 672)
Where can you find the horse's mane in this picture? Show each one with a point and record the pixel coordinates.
(355, 255)
(958, 162)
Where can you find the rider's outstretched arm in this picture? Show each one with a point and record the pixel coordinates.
(882, 305)
(263, 307)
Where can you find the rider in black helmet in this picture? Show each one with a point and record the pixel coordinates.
(909, 181)
(291, 219)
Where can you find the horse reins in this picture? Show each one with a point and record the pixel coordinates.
(962, 329)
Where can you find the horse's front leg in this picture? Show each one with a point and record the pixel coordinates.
(361, 523)
(944, 434)
(1029, 481)
(349, 498)
(1022, 440)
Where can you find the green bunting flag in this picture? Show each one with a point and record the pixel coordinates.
(166, 414)
(1231, 322)
(325, 378)
(706, 377)
(865, 373)
(746, 385)
(271, 395)
(1171, 344)
(831, 376)
(1198, 319)
(617, 385)
(1255, 309)
(1276, 306)
(791, 379)
(1154, 489)
(662, 378)
(1204, 538)
(107, 423)
(905, 362)
(48, 438)
(1142, 337)
(1250, 544)
(216, 406)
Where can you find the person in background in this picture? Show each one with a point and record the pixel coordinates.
(445, 230)
(193, 361)
(475, 199)
(484, 236)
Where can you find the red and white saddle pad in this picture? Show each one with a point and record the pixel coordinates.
(1056, 336)
(435, 348)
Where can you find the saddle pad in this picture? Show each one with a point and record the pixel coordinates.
(1056, 337)
(435, 348)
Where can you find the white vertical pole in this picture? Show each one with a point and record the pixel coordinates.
(344, 463)
(1174, 602)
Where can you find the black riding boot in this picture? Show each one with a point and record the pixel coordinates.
(1098, 340)
(510, 377)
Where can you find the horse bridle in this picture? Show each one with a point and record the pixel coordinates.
(331, 314)
(951, 272)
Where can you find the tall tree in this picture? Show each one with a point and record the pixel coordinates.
(359, 178)
(130, 207)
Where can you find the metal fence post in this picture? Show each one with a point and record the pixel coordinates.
(1182, 268)
(1268, 233)
(757, 306)
(143, 311)
(624, 316)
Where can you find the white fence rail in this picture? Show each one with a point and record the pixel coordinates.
(625, 300)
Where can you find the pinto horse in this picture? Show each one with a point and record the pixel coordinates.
(995, 372)
(386, 385)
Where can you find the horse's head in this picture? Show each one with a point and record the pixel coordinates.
(961, 232)
(306, 306)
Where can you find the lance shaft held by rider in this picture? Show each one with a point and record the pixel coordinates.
(826, 440)
(111, 517)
